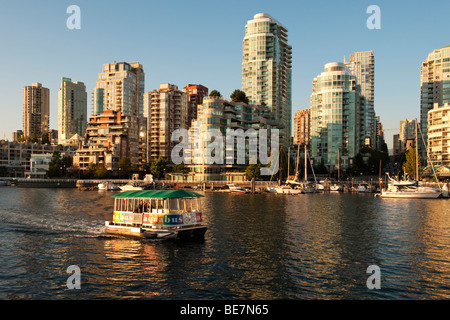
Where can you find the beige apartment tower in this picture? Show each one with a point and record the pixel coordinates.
(302, 127)
(72, 111)
(36, 110)
(166, 110)
(434, 88)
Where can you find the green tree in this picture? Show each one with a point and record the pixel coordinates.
(33, 139)
(54, 167)
(158, 167)
(253, 171)
(215, 93)
(180, 168)
(239, 96)
(125, 166)
(45, 138)
(100, 172)
(409, 166)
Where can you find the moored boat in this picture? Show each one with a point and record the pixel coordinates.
(157, 214)
(131, 186)
(236, 189)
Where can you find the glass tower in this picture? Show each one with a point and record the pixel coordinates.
(267, 69)
(335, 117)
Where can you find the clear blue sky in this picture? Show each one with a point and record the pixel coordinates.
(194, 41)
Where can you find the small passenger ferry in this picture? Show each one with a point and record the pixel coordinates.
(157, 214)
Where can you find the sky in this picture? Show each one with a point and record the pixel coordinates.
(200, 41)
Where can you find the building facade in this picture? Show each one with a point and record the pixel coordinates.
(116, 128)
(219, 114)
(72, 110)
(407, 134)
(16, 157)
(439, 135)
(166, 110)
(36, 110)
(335, 107)
(267, 69)
(362, 65)
(302, 127)
(195, 94)
(434, 88)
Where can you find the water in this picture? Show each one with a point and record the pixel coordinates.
(314, 246)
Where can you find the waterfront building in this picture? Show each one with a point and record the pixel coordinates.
(267, 69)
(36, 110)
(217, 113)
(115, 130)
(107, 140)
(439, 135)
(15, 157)
(302, 127)
(72, 110)
(434, 88)
(195, 94)
(362, 65)
(166, 110)
(335, 116)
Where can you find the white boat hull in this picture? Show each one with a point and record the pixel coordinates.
(410, 194)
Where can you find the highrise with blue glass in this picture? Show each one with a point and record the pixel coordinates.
(267, 69)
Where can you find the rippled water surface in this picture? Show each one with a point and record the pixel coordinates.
(315, 246)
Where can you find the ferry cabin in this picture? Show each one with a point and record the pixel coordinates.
(157, 213)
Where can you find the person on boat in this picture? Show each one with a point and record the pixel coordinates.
(140, 207)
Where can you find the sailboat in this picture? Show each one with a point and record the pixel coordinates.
(410, 189)
(337, 186)
(304, 186)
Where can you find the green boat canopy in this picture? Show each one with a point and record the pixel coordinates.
(158, 194)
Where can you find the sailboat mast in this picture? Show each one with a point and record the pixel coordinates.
(306, 168)
(417, 155)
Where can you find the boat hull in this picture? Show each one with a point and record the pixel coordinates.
(186, 233)
(410, 195)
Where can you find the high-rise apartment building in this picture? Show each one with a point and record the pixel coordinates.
(407, 133)
(434, 88)
(72, 110)
(219, 114)
(117, 128)
(36, 110)
(335, 117)
(267, 69)
(166, 111)
(302, 127)
(195, 94)
(439, 135)
(362, 65)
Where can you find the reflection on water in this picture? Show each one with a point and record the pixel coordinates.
(314, 246)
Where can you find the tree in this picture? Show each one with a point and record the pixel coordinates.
(410, 165)
(239, 96)
(45, 138)
(158, 167)
(54, 167)
(100, 172)
(125, 166)
(215, 93)
(33, 138)
(253, 171)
